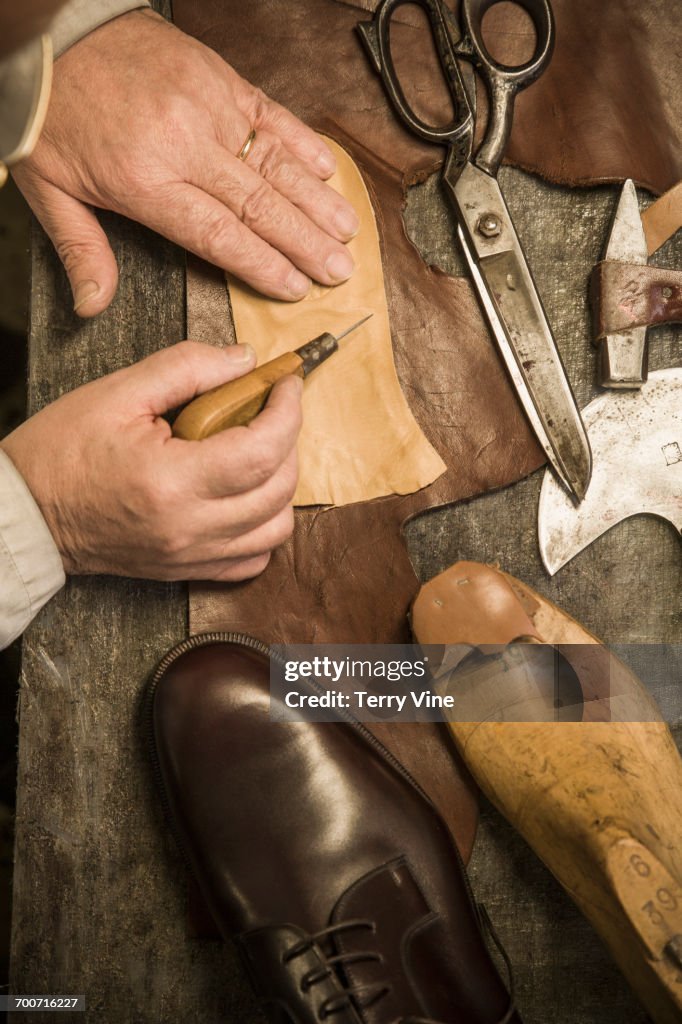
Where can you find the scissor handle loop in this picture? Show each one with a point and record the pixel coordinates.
(461, 124)
(503, 81)
(520, 75)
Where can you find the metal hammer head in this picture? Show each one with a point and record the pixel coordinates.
(623, 354)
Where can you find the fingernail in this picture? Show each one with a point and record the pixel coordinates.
(347, 222)
(298, 284)
(339, 266)
(245, 353)
(84, 290)
(326, 163)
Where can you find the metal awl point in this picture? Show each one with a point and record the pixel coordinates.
(358, 324)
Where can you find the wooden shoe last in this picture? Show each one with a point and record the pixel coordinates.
(599, 799)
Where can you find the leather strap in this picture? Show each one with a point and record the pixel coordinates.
(663, 218)
(627, 295)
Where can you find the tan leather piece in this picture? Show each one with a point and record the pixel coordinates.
(663, 218)
(626, 295)
(359, 439)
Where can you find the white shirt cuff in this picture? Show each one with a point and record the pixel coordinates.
(78, 17)
(31, 569)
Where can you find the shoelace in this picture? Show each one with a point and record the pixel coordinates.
(363, 996)
(360, 996)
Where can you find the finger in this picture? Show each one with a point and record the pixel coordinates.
(306, 144)
(235, 572)
(264, 538)
(270, 216)
(174, 375)
(207, 228)
(251, 544)
(225, 570)
(252, 509)
(242, 459)
(291, 177)
(80, 242)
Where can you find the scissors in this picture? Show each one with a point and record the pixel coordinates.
(493, 252)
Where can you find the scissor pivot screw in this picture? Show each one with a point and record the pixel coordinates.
(489, 225)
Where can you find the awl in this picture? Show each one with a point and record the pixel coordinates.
(239, 401)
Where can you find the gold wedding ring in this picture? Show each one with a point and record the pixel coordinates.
(248, 143)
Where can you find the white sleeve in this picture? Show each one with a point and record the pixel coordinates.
(78, 17)
(31, 569)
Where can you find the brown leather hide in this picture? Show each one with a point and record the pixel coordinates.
(607, 108)
(603, 111)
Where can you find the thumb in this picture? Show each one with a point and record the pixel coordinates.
(176, 374)
(80, 242)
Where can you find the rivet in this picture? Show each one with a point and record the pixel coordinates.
(489, 225)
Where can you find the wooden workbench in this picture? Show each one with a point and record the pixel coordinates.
(99, 891)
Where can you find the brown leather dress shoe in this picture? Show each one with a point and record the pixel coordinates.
(316, 852)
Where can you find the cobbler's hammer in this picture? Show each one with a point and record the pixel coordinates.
(628, 296)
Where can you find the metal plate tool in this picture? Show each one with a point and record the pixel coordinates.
(635, 426)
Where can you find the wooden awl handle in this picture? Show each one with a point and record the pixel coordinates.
(236, 403)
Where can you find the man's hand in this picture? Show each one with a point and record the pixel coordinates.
(146, 121)
(121, 495)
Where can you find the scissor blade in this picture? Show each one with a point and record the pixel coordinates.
(514, 311)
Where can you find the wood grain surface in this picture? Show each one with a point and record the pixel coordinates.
(99, 893)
